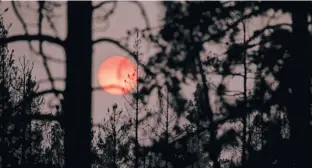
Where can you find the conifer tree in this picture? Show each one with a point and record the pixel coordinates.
(20, 141)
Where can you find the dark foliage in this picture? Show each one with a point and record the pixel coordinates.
(267, 124)
(272, 55)
(20, 137)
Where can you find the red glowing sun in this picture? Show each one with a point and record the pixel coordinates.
(117, 75)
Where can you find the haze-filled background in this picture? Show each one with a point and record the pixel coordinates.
(125, 17)
(227, 85)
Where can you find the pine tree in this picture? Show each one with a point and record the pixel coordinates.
(133, 100)
(18, 101)
(113, 142)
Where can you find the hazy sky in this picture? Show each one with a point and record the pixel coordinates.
(125, 17)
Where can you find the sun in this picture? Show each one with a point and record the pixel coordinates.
(117, 75)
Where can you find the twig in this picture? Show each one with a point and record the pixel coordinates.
(101, 4)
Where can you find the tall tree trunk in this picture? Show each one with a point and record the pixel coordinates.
(205, 107)
(198, 153)
(167, 125)
(114, 140)
(24, 115)
(245, 115)
(299, 111)
(198, 114)
(136, 150)
(78, 91)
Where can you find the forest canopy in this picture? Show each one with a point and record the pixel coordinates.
(251, 105)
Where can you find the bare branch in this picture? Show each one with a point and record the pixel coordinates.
(109, 13)
(47, 80)
(143, 13)
(233, 94)
(105, 17)
(259, 32)
(19, 16)
(48, 58)
(44, 117)
(36, 37)
(51, 24)
(231, 26)
(55, 91)
(101, 4)
(45, 62)
(24, 25)
(117, 43)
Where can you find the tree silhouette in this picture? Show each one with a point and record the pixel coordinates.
(78, 50)
(21, 138)
(113, 141)
(134, 101)
(246, 128)
(165, 130)
(272, 51)
(198, 123)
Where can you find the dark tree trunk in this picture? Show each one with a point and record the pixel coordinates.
(299, 111)
(213, 148)
(77, 96)
(136, 148)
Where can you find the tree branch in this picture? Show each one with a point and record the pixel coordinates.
(24, 25)
(261, 31)
(19, 16)
(229, 27)
(37, 37)
(48, 58)
(47, 80)
(44, 58)
(101, 4)
(55, 91)
(143, 13)
(117, 43)
(44, 117)
(41, 117)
